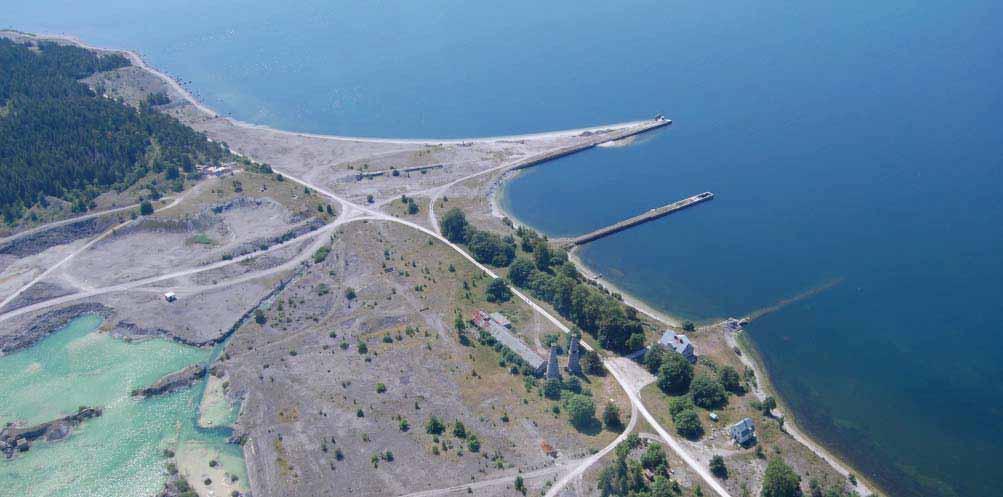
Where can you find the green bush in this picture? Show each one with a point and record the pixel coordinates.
(454, 226)
(611, 417)
(718, 468)
(434, 426)
(679, 404)
(497, 291)
(730, 380)
(780, 480)
(581, 410)
(688, 424)
(459, 430)
(321, 254)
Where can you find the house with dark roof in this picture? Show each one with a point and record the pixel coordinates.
(743, 431)
(678, 343)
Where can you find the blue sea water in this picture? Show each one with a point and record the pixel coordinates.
(853, 140)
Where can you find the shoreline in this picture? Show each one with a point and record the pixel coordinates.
(750, 355)
(764, 387)
(137, 60)
(865, 485)
(495, 196)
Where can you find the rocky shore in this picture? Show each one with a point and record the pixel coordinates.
(173, 382)
(14, 439)
(46, 324)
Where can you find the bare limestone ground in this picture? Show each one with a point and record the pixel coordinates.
(314, 413)
(318, 415)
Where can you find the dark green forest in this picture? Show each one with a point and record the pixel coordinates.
(59, 138)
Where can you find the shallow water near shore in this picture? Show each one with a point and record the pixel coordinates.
(853, 140)
(119, 453)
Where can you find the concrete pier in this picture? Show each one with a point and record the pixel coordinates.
(597, 138)
(650, 215)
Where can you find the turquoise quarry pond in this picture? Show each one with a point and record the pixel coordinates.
(117, 454)
(854, 139)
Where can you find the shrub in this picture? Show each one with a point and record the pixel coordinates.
(611, 417)
(718, 468)
(434, 426)
(259, 316)
(552, 389)
(350, 293)
(321, 254)
(688, 424)
(459, 431)
(730, 380)
(581, 410)
(381, 388)
(473, 444)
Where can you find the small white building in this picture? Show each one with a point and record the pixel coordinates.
(170, 296)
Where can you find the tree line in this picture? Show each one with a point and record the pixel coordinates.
(59, 138)
(551, 277)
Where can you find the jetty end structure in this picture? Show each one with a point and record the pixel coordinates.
(650, 215)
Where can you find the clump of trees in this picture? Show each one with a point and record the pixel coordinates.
(409, 203)
(674, 373)
(707, 392)
(486, 247)
(454, 226)
(624, 476)
(59, 138)
(549, 276)
(497, 291)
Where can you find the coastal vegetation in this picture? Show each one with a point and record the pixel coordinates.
(551, 277)
(61, 139)
(646, 475)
